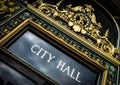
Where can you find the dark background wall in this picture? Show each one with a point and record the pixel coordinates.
(113, 6)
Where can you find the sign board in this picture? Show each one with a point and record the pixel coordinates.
(52, 62)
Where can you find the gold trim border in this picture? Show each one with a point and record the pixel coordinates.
(13, 32)
(75, 36)
(28, 21)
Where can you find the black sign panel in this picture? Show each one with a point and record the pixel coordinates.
(51, 61)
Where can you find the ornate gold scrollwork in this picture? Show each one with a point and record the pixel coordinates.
(7, 7)
(81, 20)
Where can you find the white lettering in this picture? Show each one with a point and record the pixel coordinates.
(71, 75)
(70, 72)
(45, 52)
(50, 57)
(77, 77)
(67, 69)
(61, 64)
(39, 51)
(34, 46)
(36, 49)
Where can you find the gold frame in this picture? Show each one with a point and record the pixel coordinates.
(75, 36)
(5, 39)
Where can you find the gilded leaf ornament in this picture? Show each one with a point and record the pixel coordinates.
(80, 20)
(7, 7)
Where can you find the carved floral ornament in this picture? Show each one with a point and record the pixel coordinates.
(82, 21)
(7, 7)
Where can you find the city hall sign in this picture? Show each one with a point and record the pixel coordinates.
(52, 62)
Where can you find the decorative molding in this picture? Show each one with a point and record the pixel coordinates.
(8, 8)
(91, 35)
(80, 20)
(111, 69)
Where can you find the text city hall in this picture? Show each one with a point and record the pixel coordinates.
(42, 53)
